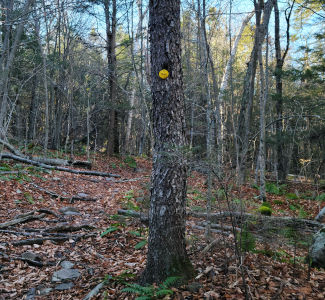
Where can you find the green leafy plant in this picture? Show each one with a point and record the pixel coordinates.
(275, 189)
(140, 245)
(127, 274)
(110, 229)
(321, 197)
(292, 196)
(278, 202)
(130, 162)
(152, 292)
(29, 198)
(246, 240)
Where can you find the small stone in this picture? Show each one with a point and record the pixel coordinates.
(64, 286)
(67, 264)
(69, 211)
(18, 191)
(82, 195)
(194, 287)
(321, 216)
(45, 291)
(31, 256)
(56, 178)
(65, 275)
(31, 294)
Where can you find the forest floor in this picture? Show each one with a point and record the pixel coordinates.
(74, 218)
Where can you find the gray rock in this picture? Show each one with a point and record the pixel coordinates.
(65, 275)
(31, 256)
(45, 291)
(82, 195)
(31, 294)
(67, 264)
(317, 250)
(69, 211)
(64, 286)
(321, 216)
(194, 287)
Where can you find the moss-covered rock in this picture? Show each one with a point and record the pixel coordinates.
(265, 209)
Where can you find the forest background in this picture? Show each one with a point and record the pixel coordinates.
(75, 77)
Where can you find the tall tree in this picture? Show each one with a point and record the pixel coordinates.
(110, 9)
(282, 159)
(166, 245)
(8, 53)
(244, 118)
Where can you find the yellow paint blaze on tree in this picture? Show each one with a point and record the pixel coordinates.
(163, 74)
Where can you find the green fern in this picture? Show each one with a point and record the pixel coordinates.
(170, 281)
(152, 292)
(161, 293)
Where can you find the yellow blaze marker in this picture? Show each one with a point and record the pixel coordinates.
(163, 74)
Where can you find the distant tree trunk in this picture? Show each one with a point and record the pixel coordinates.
(263, 99)
(32, 110)
(249, 85)
(7, 58)
(166, 243)
(223, 88)
(128, 145)
(282, 159)
(110, 18)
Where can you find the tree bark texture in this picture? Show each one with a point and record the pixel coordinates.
(166, 244)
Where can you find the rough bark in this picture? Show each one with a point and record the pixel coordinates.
(166, 243)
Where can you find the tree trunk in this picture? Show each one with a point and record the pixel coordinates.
(166, 244)
(249, 84)
(263, 99)
(282, 159)
(7, 59)
(223, 89)
(110, 18)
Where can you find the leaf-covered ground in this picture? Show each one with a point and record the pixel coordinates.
(102, 244)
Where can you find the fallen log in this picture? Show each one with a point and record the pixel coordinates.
(56, 168)
(21, 220)
(11, 148)
(69, 228)
(130, 213)
(241, 217)
(41, 240)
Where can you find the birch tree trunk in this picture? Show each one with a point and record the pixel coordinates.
(166, 243)
(222, 91)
